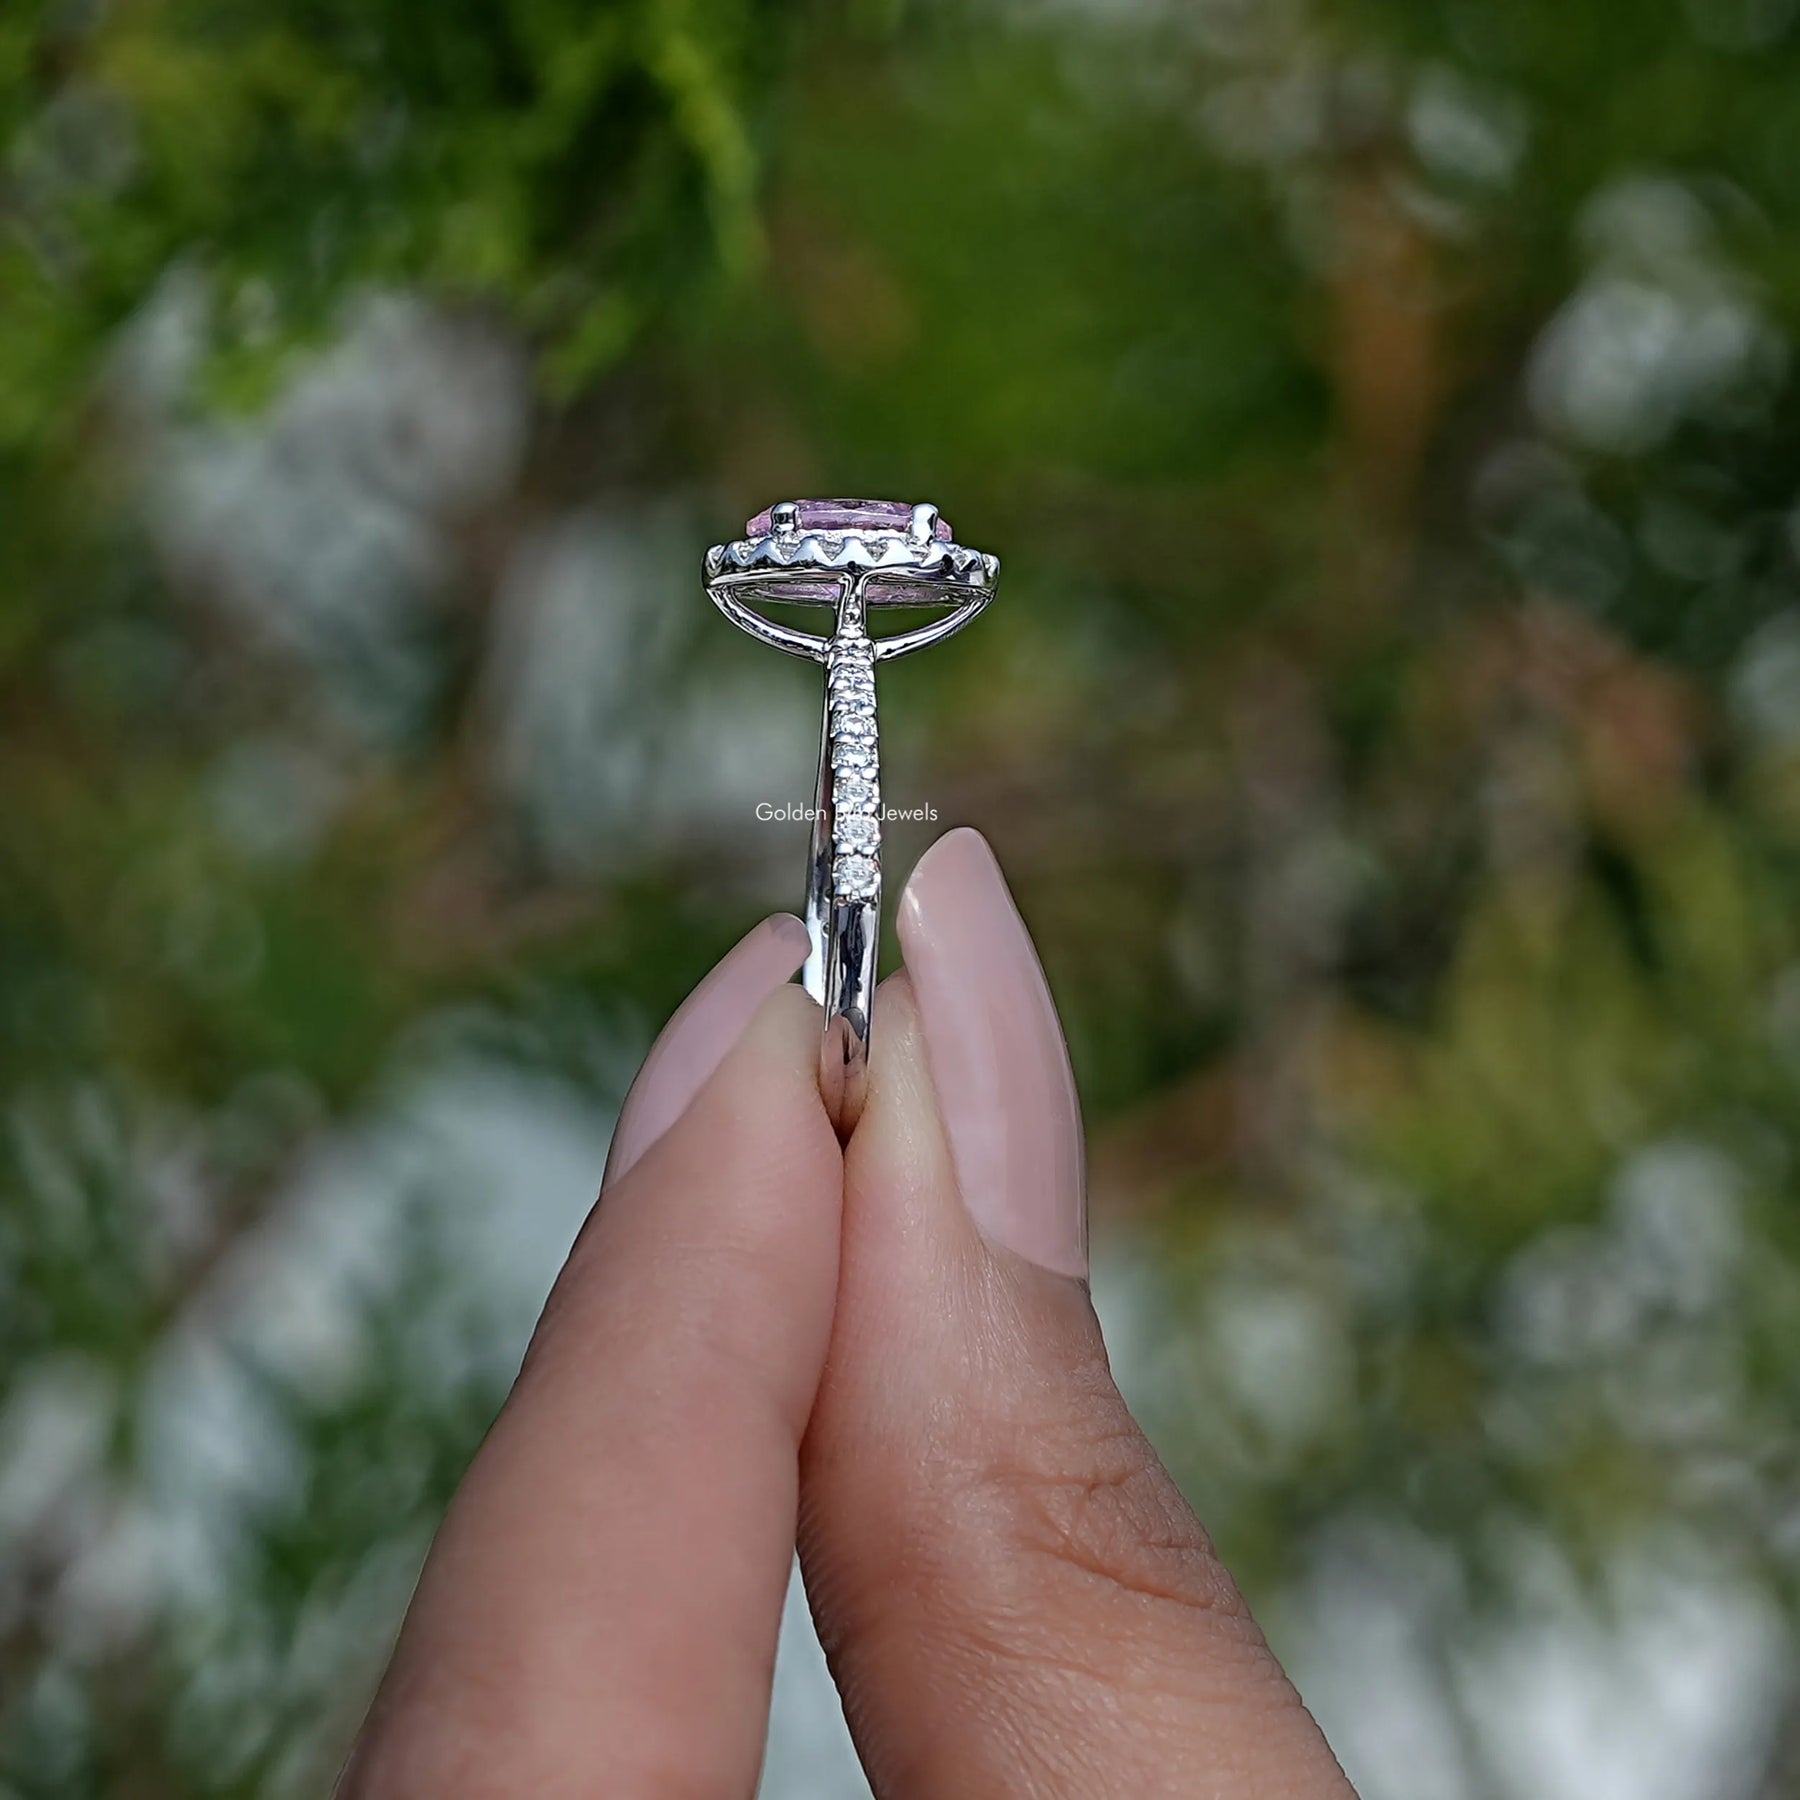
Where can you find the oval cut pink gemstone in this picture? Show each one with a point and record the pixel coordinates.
(846, 515)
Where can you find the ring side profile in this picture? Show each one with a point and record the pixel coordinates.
(853, 556)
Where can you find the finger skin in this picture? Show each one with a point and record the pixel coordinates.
(702, 1030)
(1013, 1595)
(599, 1612)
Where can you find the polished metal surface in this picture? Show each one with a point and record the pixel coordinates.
(873, 554)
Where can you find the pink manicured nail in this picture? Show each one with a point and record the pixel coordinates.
(703, 1028)
(998, 1060)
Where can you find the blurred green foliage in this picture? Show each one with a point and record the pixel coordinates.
(582, 168)
(1391, 723)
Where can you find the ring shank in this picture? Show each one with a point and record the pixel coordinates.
(840, 965)
(844, 1049)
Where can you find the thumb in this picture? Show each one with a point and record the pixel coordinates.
(1013, 1594)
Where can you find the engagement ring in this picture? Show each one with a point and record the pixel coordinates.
(853, 556)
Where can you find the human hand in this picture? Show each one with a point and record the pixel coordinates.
(886, 1354)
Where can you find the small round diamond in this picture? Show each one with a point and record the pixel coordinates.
(856, 832)
(853, 681)
(855, 794)
(846, 753)
(851, 722)
(854, 658)
(855, 877)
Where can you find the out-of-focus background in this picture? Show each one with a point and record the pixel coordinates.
(1388, 414)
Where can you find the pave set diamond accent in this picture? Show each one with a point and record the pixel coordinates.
(855, 778)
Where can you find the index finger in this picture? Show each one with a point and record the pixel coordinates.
(600, 1609)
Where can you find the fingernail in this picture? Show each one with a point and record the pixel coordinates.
(1005, 1090)
(700, 1032)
